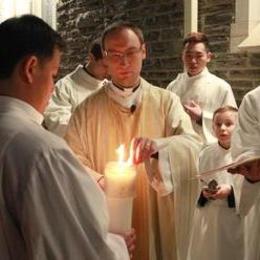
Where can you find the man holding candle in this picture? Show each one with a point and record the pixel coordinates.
(50, 208)
(125, 108)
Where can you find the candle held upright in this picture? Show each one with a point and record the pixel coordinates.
(120, 190)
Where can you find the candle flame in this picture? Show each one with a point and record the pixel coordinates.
(121, 153)
(121, 156)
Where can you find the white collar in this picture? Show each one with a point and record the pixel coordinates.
(127, 97)
(14, 105)
(123, 92)
(204, 72)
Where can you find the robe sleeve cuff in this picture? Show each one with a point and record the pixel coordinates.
(231, 199)
(159, 173)
(200, 121)
(202, 200)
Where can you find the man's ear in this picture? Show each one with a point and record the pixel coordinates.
(28, 68)
(144, 51)
(105, 61)
(210, 55)
(91, 57)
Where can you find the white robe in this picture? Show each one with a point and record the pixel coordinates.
(217, 230)
(246, 140)
(50, 208)
(69, 92)
(209, 91)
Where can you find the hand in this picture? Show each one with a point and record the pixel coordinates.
(141, 149)
(223, 191)
(193, 110)
(250, 170)
(130, 239)
(207, 193)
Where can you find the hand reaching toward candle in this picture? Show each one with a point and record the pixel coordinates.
(141, 149)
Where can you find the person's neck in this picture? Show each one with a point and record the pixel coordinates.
(123, 87)
(197, 73)
(90, 69)
(224, 146)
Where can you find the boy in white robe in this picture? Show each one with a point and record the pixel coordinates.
(200, 91)
(72, 89)
(50, 207)
(217, 230)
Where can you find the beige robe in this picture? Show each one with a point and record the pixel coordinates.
(209, 91)
(99, 125)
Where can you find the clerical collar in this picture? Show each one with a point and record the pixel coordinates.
(128, 97)
(89, 73)
(131, 90)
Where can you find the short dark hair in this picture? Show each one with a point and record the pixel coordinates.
(95, 49)
(118, 26)
(196, 37)
(224, 109)
(23, 36)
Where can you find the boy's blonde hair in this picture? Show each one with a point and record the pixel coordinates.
(224, 109)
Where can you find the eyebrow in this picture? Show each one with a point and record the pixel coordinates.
(130, 48)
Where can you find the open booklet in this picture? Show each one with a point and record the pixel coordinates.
(246, 157)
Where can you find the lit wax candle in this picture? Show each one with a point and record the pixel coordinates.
(119, 180)
(120, 190)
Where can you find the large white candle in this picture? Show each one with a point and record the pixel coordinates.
(119, 180)
(120, 190)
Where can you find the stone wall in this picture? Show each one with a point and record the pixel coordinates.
(162, 22)
(241, 70)
(80, 21)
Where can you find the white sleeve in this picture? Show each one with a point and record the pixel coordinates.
(249, 194)
(63, 213)
(58, 112)
(118, 246)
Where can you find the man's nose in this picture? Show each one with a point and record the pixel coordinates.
(124, 60)
(193, 60)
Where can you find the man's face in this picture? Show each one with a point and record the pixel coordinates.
(124, 54)
(44, 79)
(195, 58)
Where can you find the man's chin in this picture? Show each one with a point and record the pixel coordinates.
(126, 83)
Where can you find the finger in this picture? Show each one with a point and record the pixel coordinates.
(186, 108)
(132, 150)
(193, 103)
(135, 148)
(143, 150)
(131, 249)
(137, 155)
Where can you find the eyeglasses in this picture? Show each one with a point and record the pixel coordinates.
(117, 57)
(196, 56)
